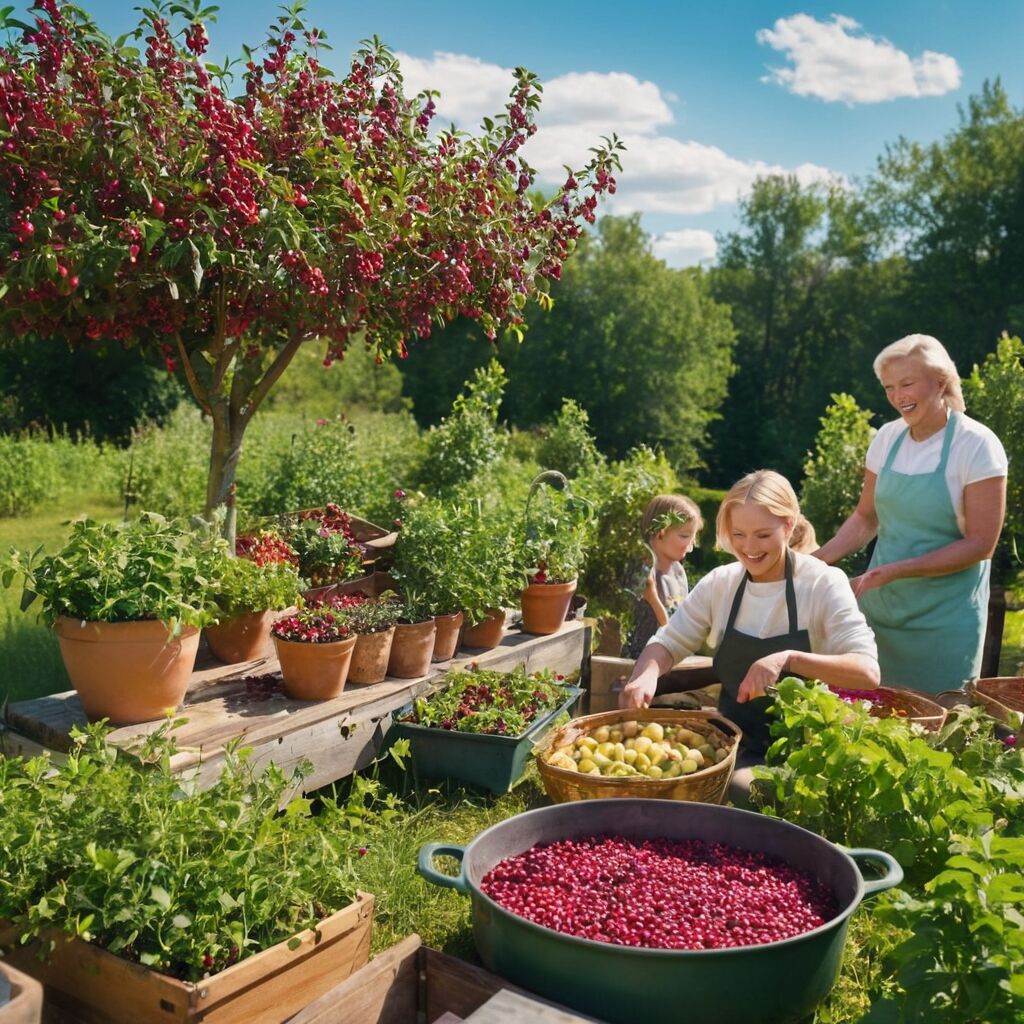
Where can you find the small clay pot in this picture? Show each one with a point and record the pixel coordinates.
(446, 639)
(412, 649)
(243, 638)
(370, 657)
(314, 671)
(545, 606)
(486, 634)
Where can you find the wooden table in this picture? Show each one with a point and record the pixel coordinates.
(223, 705)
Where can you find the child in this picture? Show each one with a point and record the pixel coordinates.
(669, 527)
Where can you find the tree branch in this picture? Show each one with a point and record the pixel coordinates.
(274, 371)
(190, 375)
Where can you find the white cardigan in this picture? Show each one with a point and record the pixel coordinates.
(825, 606)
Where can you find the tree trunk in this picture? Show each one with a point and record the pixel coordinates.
(225, 451)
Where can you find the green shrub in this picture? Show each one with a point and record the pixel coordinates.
(28, 474)
(568, 444)
(166, 467)
(834, 473)
(994, 394)
(469, 438)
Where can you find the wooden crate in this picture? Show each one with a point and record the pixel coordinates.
(85, 984)
(412, 983)
(608, 675)
(25, 1000)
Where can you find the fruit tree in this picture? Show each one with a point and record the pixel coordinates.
(229, 214)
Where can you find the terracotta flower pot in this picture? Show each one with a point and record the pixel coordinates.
(370, 657)
(314, 671)
(127, 671)
(447, 638)
(243, 638)
(545, 606)
(487, 634)
(412, 649)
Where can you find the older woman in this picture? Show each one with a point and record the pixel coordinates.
(935, 495)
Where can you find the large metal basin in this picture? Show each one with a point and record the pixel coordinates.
(776, 983)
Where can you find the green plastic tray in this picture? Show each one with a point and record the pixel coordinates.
(494, 763)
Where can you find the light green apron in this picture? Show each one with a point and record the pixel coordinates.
(930, 629)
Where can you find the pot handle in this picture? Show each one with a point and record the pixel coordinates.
(893, 872)
(426, 866)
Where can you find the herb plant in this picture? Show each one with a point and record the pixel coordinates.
(496, 703)
(247, 586)
(370, 614)
(555, 531)
(187, 882)
(149, 568)
(326, 554)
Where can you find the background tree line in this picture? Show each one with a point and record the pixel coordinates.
(725, 369)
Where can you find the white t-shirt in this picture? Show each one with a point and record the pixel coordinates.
(974, 454)
(825, 607)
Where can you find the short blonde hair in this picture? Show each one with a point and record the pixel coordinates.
(773, 492)
(934, 358)
(671, 504)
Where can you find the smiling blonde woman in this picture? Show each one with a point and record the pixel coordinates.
(935, 496)
(772, 612)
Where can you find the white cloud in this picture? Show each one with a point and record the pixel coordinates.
(837, 62)
(685, 247)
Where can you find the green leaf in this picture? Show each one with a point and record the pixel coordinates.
(160, 896)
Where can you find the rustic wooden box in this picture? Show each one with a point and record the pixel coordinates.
(85, 984)
(412, 983)
(24, 1003)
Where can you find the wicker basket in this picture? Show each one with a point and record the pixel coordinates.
(706, 786)
(915, 707)
(1002, 697)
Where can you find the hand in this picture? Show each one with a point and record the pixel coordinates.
(639, 692)
(877, 577)
(763, 673)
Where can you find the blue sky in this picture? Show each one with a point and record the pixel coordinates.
(706, 96)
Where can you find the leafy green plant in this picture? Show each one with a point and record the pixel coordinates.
(319, 622)
(149, 568)
(568, 444)
(370, 614)
(964, 957)
(834, 473)
(325, 555)
(248, 587)
(469, 438)
(456, 555)
(139, 862)
(994, 393)
(555, 531)
(482, 701)
(865, 781)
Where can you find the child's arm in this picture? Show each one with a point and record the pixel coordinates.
(653, 598)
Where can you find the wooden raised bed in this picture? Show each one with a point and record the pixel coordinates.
(412, 983)
(21, 997)
(85, 984)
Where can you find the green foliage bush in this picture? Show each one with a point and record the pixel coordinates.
(994, 394)
(469, 438)
(165, 468)
(834, 472)
(568, 444)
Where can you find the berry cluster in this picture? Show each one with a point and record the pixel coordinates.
(660, 893)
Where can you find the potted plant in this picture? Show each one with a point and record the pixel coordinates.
(146, 899)
(327, 549)
(413, 643)
(555, 539)
(127, 601)
(251, 593)
(314, 648)
(462, 561)
(480, 726)
(373, 621)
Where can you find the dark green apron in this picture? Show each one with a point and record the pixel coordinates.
(737, 651)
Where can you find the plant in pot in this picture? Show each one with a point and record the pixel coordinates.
(250, 596)
(413, 643)
(314, 648)
(127, 601)
(373, 621)
(460, 559)
(556, 531)
(491, 581)
(328, 553)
